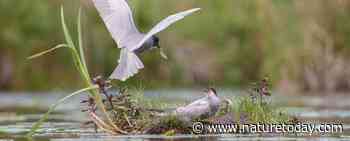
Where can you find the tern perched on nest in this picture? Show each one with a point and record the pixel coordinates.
(201, 108)
(117, 16)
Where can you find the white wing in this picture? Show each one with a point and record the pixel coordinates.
(199, 102)
(163, 25)
(195, 109)
(117, 16)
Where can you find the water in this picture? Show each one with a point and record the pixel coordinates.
(18, 111)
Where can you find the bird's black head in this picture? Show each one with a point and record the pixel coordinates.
(155, 41)
(211, 90)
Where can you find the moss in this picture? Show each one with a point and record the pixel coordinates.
(169, 124)
(171, 132)
(263, 113)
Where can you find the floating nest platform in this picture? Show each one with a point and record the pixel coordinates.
(130, 116)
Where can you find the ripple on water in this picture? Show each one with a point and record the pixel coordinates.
(66, 124)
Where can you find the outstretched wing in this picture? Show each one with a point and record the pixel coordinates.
(163, 25)
(118, 18)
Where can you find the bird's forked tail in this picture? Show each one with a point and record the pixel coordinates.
(129, 65)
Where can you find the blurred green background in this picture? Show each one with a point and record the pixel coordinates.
(302, 45)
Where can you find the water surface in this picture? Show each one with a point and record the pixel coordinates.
(18, 111)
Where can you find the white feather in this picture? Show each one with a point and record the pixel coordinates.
(165, 23)
(118, 19)
(129, 64)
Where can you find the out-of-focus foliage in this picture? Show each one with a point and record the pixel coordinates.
(228, 43)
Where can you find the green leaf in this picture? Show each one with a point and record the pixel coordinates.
(47, 51)
(37, 125)
(76, 57)
(69, 40)
(80, 41)
(67, 36)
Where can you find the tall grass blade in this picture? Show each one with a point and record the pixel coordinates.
(68, 39)
(47, 51)
(79, 61)
(37, 125)
(80, 41)
(67, 36)
(75, 54)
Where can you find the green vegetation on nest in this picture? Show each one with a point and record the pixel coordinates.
(263, 113)
(256, 108)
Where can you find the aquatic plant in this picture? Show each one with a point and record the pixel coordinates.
(255, 106)
(77, 53)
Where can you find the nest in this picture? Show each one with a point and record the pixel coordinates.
(130, 116)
